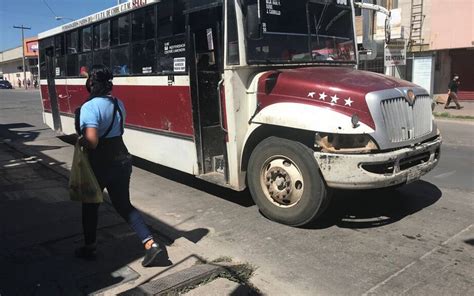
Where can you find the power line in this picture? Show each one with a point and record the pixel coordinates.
(49, 7)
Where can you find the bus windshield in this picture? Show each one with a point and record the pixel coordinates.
(297, 31)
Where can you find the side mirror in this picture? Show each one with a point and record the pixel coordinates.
(254, 26)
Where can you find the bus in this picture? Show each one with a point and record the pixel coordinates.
(258, 94)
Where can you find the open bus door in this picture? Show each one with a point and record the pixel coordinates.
(50, 75)
(206, 73)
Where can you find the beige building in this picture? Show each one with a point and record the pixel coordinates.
(11, 65)
(440, 43)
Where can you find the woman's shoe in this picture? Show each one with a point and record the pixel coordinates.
(86, 253)
(150, 254)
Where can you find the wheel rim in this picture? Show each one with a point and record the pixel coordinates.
(282, 181)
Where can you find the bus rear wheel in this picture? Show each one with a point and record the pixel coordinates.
(285, 182)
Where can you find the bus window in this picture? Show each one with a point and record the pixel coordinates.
(71, 42)
(120, 30)
(144, 57)
(102, 57)
(60, 58)
(232, 36)
(172, 55)
(104, 35)
(143, 24)
(165, 17)
(72, 68)
(87, 39)
(119, 60)
(101, 35)
(85, 62)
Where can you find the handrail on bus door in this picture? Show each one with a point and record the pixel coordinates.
(219, 85)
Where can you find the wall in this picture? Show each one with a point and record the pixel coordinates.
(452, 24)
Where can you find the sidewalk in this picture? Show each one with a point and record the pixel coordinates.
(40, 228)
(467, 112)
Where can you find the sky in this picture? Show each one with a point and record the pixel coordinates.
(36, 15)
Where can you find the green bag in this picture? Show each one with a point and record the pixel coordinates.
(83, 185)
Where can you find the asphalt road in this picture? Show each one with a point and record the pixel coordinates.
(417, 240)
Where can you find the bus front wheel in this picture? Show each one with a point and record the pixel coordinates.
(285, 182)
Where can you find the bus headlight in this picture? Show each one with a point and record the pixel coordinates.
(344, 143)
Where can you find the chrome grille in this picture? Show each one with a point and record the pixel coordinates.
(405, 122)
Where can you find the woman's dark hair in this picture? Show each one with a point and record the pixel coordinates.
(99, 82)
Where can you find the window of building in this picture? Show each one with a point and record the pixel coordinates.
(143, 24)
(144, 57)
(119, 60)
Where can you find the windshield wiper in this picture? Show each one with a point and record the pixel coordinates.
(318, 24)
(335, 19)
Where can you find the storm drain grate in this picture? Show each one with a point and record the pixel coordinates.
(176, 281)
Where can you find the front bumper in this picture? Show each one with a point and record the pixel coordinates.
(378, 170)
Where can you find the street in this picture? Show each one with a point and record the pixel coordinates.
(416, 240)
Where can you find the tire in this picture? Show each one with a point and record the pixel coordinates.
(286, 183)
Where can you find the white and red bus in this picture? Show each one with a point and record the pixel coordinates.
(257, 93)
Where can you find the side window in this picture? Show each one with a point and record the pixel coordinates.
(104, 35)
(119, 60)
(96, 38)
(165, 19)
(71, 42)
(120, 30)
(102, 57)
(144, 57)
(87, 39)
(72, 49)
(143, 24)
(60, 58)
(172, 55)
(232, 35)
(84, 63)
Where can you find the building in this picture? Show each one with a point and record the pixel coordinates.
(11, 65)
(439, 38)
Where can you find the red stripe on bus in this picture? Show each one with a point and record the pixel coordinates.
(166, 108)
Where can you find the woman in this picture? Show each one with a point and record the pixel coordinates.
(101, 126)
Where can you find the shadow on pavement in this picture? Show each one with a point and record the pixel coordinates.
(375, 208)
(241, 198)
(40, 227)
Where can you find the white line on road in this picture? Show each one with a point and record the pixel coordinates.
(371, 290)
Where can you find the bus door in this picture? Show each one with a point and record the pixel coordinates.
(50, 75)
(206, 70)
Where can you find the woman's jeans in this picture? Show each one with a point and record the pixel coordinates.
(115, 176)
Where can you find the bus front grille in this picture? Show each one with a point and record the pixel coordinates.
(406, 122)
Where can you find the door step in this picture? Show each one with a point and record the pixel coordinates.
(216, 178)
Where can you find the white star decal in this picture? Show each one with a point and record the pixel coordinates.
(348, 102)
(334, 99)
(311, 94)
(323, 96)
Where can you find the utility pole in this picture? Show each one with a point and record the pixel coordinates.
(23, 28)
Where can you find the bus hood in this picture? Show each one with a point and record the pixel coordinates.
(341, 90)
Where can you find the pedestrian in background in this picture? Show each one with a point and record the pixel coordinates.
(19, 83)
(453, 92)
(28, 83)
(101, 126)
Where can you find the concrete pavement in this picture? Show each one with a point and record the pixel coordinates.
(416, 240)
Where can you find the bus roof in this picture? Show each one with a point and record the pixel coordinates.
(97, 17)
